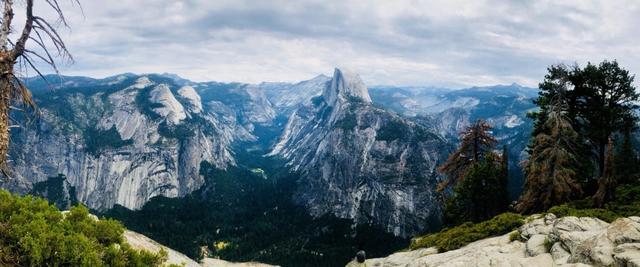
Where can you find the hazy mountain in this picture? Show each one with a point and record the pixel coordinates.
(504, 107)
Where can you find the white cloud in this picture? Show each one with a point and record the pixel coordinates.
(407, 42)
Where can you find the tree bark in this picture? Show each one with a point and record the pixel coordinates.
(6, 88)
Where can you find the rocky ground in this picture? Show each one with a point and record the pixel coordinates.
(140, 241)
(541, 241)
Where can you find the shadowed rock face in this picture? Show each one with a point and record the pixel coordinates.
(361, 162)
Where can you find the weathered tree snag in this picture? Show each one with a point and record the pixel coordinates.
(12, 90)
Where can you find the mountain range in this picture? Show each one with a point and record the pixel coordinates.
(366, 155)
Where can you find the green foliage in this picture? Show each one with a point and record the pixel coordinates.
(57, 191)
(461, 235)
(35, 233)
(96, 140)
(568, 210)
(476, 142)
(547, 244)
(514, 236)
(180, 131)
(601, 101)
(551, 168)
(470, 200)
(392, 130)
(354, 99)
(626, 203)
(348, 122)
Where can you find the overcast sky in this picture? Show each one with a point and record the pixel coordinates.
(434, 43)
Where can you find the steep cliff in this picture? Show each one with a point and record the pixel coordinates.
(361, 162)
(123, 140)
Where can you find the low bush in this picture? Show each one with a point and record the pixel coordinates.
(626, 203)
(515, 235)
(461, 235)
(35, 233)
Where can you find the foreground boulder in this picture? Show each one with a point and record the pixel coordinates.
(542, 241)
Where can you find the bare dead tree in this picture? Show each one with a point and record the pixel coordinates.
(48, 45)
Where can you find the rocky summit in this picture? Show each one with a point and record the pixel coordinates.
(361, 162)
(542, 241)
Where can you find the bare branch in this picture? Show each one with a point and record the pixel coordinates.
(18, 49)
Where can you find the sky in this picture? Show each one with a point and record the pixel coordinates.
(402, 42)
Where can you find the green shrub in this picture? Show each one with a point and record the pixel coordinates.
(461, 235)
(568, 210)
(348, 122)
(515, 235)
(35, 233)
(547, 244)
(626, 203)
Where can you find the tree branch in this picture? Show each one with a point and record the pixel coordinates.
(18, 50)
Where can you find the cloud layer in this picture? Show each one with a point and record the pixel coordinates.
(400, 42)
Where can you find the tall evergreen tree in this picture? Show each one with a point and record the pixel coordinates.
(549, 171)
(607, 103)
(600, 102)
(559, 83)
(481, 195)
(473, 170)
(475, 143)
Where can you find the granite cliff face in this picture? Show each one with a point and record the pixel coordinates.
(361, 162)
(123, 140)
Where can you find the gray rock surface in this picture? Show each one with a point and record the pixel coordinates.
(139, 241)
(361, 162)
(148, 156)
(576, 242)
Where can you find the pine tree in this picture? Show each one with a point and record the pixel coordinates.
(481, 195)
(475, 142)
(607, 104)
(549, 173)
(600, 102)
(607, 183)
(478, 177)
